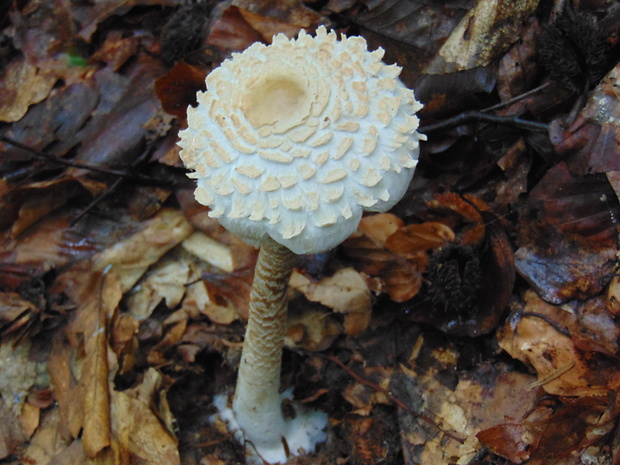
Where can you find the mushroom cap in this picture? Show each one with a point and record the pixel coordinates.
(295, 139)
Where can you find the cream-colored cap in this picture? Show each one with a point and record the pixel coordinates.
(295, 139)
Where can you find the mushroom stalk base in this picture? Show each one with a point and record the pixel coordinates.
(257, 403)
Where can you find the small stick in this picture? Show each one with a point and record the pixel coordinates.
(478, 116)
(390, 396)
(77, 164)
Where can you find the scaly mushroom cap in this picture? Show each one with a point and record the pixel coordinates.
(295, 139)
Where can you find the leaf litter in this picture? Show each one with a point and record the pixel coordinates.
(475, 323)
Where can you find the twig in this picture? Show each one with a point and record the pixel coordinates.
(517, 98)
(390, 396)
(78, 164)
(478, 116)
(115, 185)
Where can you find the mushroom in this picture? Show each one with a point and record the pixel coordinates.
(290, 143)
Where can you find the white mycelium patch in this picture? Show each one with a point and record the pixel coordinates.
(295, 139)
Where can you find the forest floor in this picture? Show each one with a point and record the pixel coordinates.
(475, 323)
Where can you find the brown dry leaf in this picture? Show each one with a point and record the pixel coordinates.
(197, 300)
(138, 429)
(480, 399)
(42, 247)
(166, 281)
(41, 200)
(410, 240)
(123, 341)
(613, 295)
(23, 85)
(67, 392)
(402, 279)
(131, 257)
(468, 208)
(484, 32)
(509, 440)
(228, 293)
(102, 10)
(268, 27)
(311, 328)
(380, 227)
(345, 292)
(117, 49)
(47, 441)
(95, 369)
(212, 252)
(370, 440)
(29, 418)
(393, 274)
(540, 339)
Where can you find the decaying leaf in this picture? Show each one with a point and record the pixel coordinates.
(345, 292)
(138, 429)
(132, 257)
(547, 338)
(488, 29)
(24, 84)
(591, 140)
(568, 235)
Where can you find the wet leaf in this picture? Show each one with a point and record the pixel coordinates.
(177, 89)
(591, 141)
(508, 440)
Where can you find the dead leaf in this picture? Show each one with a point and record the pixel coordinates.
(131, 257)
(166, 281)
(345, 292)
(380, 227)
(136, 427)
(484, 32)
(95, 368)
(590, 143)
(410, 240)
(216, 254)
(47, 442)
(24, 84)
(177, 89)
(508, 440)
(311, 328)
(542, 339)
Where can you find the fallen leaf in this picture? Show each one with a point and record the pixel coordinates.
(136, 427)
(345, 292)
(177, 89)
(484, 32)
(542, 339)
(95, 368)
(131, 257)
(165, 281)
(46, 442)
(24, 85)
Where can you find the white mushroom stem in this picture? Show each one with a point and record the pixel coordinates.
(257, 402)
